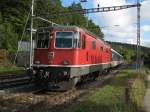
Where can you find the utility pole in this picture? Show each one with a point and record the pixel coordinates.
(138, 58)
(31, 36)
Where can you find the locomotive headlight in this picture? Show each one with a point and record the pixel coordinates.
(34, 72)
(50, 55)
(65, 62)
(37, 62)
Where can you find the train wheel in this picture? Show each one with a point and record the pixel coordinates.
(40, 81)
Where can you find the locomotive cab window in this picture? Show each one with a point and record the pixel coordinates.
(42, 39)
(76, 40)
(64, 39)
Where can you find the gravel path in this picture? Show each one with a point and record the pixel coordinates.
(147, 96)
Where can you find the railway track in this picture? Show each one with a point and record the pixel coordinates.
(10, 81)
(80, 87)
(59, 97)
(13, 81)
(58, 101)
(54, 100)
(9, 76)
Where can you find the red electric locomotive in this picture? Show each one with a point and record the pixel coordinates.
(68, 53)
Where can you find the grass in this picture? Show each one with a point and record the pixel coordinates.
(111, 97)
(13, 70)
(137, 93)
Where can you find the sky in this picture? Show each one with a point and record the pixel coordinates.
(119, 26)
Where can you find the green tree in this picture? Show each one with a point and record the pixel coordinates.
(8, 37)
(13, 15)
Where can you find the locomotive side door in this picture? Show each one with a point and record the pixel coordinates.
(101, 52)
(83, 51)
(42, 46)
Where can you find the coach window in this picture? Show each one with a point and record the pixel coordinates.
(83, 42)
(42, 39)
(93, 44)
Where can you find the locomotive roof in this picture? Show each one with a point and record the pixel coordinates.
(67, 27)
(72, 28)
(58, 27)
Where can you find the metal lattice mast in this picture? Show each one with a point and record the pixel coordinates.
(90, 10)
(138, 58)
(31, 36)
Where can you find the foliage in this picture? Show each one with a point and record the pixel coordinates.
(138, 92)
(146, 57)
(8, 37)
(12, 70)
(111, 97)
(13, 15)
(128, 51)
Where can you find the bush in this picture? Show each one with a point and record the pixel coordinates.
(137, 94)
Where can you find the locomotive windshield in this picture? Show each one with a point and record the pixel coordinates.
(42, 40)
(66, 40)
